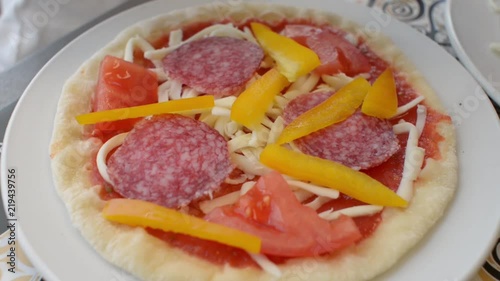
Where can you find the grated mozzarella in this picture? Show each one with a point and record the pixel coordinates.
(239, 142)
(111, 144)
(303, 85)
(336, 81)
(208, 205)
(161, 76)
(302, 195)
(266, 265)
(221, 111)
(189, 93)
(356, 211)
(138, 42)
(280, 101)
(414, 158)
(404, 108)
(226, 102)
(317, 202)
(239, 180)
(246, 187)
(175, 38)
(175, 90)
(225, 30)
(248, 165)
(421, 117)
(275, 130)
(317, 190)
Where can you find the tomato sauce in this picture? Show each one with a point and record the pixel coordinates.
(389, 173)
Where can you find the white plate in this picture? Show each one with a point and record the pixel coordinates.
(472, 26)
(452, 251)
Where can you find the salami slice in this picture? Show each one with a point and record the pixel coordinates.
(215, 65)
(170, 160)
(360, 141)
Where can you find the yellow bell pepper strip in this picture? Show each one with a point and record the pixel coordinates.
(330, 174)
(145, 214)
(293, 60)
(251, 105)
(335, 109)
(382, 98)
(174, 106)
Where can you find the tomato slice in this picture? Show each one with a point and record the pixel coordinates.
(335, 52)
(300, 32)
(287, 228)
(122, 84)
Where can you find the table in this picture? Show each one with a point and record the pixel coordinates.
(427, 16)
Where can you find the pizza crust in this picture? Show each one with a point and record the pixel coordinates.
(152, 259)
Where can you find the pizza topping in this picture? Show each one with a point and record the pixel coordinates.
(219, 66)
(359, 142)
(270, 211)
(223, 30)
(169, 160)
(266, 265)
(102, 155)
(252, 123)
(192, 105)
(336, 53)
(356, 211)
(314, 189)
(411, 104)
(122, 84)
(135, 43)
(414, 158)
(421, 118)
(330, 174)
(251, 106)
(292, 59)
(382, 98)
(335, 109)
(145, 214)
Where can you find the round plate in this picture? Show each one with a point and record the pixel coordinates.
(451, 251)
(472, 26)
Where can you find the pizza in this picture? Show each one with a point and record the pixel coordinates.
(260, 142)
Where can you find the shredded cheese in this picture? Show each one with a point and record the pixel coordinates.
(175, 38)
(317, 190)
(404, 108)
(317, 202)
(138, 42)
(239, 142)
(111, 144)
(302, 195)
(239, 180)
(221, 111)
(421, 117)
(226, 102)
(246, 187)
(276, 129)
(337, 81)
(226, 30)
(356, 211)
(208, 205)
(414, 158)
(266, 265)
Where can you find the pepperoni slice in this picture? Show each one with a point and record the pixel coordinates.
(335, 52)
(215, 65)
(360, 141)
(170, 160)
